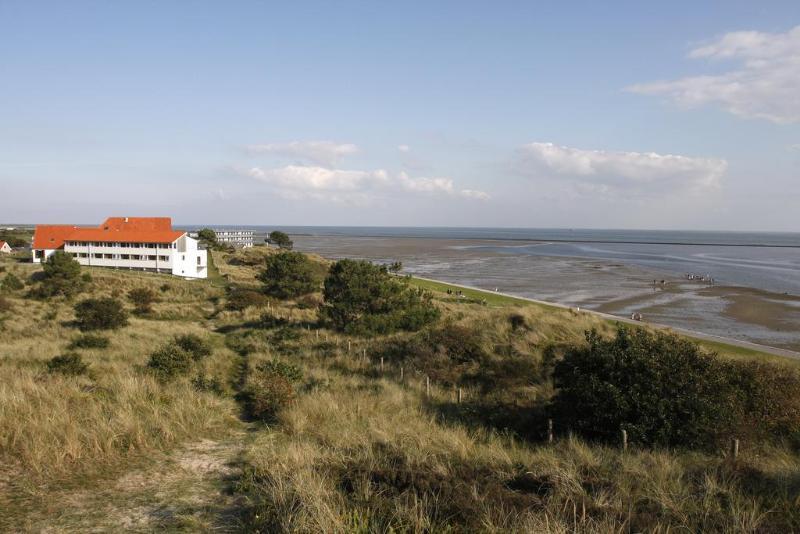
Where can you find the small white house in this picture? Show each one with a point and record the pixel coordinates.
(5, 247)
(137, 243)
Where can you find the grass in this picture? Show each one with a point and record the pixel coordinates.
(358, 450)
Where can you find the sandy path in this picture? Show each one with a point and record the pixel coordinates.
(189, 490)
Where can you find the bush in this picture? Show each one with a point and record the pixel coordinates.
(290, 372)
(142, 298)
(89, 341)
(664, 391)
(241, 299)
(363, 298)
(170, 361)
(11, 283)
(517, 321)
(288, 275)
(100, 314)
(198, 347)
(70, 364)
(265, 393)
(61, 275)
(211, 385)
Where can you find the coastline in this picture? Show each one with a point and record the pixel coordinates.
(774, 351)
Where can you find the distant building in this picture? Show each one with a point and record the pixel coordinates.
(138, 243)
(5, 247)
(236, 238)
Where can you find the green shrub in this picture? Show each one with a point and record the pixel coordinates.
(70, 364)
(517, 321)
(241, 299)
(198, 347)
(288, 275)
(100, 314)
(290, 372)
(281, 239)
(664, 391)
(363, 298)
(212, 385)
(87, 278)
(170, 361)
(143, 299)
(265, 393)
(90, 341)
(11, 283)
(61, 275)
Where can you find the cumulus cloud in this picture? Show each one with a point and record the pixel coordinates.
(320, 152)
(765, 85)
(633, 172)
(352, 186)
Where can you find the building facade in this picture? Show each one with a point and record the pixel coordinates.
(5, 247)
(237, 238)
(137, 243)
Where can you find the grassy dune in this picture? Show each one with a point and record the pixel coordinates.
(358, 450)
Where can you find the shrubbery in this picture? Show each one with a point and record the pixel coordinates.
(363, 298)
(290, 372)
(70, 364)
(61, 275)
(143, 299)
(288, 275)
(170, 361)
(198, 347)
(265, 393)
(241, 299)
(100, 314)
(89, 341)
(11, 283)
(664, 391)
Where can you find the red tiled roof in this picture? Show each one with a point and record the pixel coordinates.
(114, 230)
(2, 243)
(50, 236)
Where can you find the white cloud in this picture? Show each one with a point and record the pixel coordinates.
(403, 148)
(325, 153)
(351, 186)
(632, 172)
(766, 85)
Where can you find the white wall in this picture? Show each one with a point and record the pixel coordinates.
(188, 260)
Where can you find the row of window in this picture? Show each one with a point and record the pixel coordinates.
(133, 257)
(119, 245)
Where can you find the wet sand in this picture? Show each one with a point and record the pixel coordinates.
(748, 314)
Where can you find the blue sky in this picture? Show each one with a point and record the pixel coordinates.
(569, 114)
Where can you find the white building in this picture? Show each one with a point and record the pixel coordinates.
(139, 243)
(5, 247)
(237, 238)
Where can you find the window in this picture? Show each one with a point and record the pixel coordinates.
(151, 258)
(183, 257)
(98, 256)
(125, 256)
(123, 245)
(198, 260)
(162, 258)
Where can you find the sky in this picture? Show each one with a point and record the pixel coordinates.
(651, 115)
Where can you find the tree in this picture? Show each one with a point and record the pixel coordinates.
(363, 298)
(61, 275)
(281, 239)
(142, 298)
(395, 267)
(100, 314)
(207, 236)
(288, 275)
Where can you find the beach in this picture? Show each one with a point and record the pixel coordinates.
(617, 286)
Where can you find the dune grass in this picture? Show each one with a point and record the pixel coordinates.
(363, 447)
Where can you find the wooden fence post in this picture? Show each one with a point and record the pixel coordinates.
(401, 374)
(459, 395)
(427, 386)
(624, 440)
(734, 448)
(317, 334)
(348, 346)
(381, 364)
(549, 431)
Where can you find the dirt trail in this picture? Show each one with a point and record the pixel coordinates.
(189, 490)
